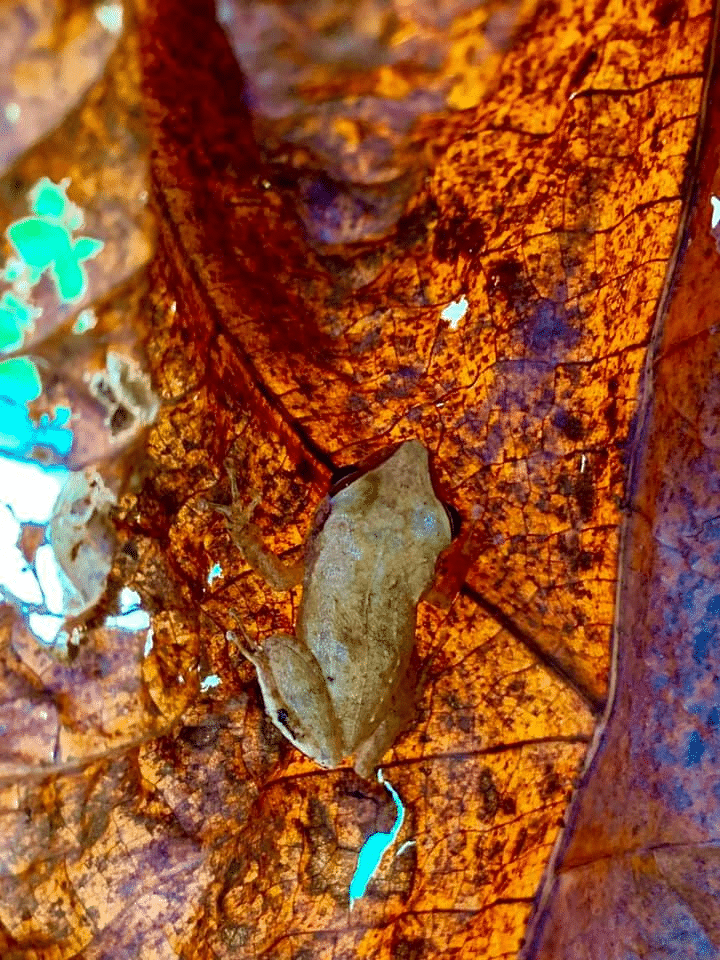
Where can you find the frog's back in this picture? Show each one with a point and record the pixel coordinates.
(358, 619)
(368, 565)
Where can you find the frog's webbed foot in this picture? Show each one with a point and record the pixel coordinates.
(238, 517)
(243, 642)
(248, 539)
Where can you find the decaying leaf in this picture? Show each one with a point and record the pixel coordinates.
(370, 222)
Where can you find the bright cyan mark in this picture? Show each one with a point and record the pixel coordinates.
(16, 317)
(18, 434)
(86, 320)
(715, 220)
(454, 312)
(373, 849)
(12, 112)
(45, 242)
(110, 16)
(19, 380)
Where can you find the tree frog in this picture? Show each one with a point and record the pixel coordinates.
(340, 686)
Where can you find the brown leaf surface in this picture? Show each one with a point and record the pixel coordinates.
(315, 221)
(642, 829)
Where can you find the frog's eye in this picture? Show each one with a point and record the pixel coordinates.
(454, 518)
(343, 477)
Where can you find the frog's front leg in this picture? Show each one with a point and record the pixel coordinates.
(295, 695)
(248, 539)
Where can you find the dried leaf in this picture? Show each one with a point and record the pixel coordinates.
(451, 223)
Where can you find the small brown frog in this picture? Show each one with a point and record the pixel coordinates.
(340, 686)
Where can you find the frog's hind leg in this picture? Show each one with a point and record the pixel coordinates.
(295, 695)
